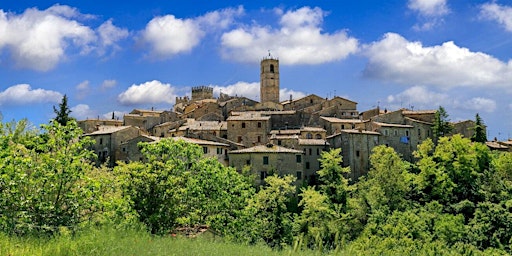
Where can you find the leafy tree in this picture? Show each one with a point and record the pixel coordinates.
(480, 134)
(176, 186)
(272, 221)
(63, 112)
(44, 187)
(442, 126)
(333, 183)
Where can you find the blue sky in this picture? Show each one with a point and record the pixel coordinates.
(120, 55)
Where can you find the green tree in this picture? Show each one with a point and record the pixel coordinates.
(333, 183)
(441, 126)
(62, 114)
(177, 187)
(47, 185)
(480, 134)
(271, 221)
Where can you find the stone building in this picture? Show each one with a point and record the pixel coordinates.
(334, 125)
(248, 129)
(356, 148)
(264, 160)
(146, 120)
(192, 126)
(91, 125)
(108, 139)
(269, 80)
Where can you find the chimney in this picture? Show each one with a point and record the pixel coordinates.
(290, 98)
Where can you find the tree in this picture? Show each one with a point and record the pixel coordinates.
(480, 134)
(63, 112)
(442, 126)
(332, 180)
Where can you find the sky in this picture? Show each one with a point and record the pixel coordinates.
(118, 56)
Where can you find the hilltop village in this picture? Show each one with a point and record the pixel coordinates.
(269, 136)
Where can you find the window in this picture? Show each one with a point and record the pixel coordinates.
(317, 151)
(263, 175)
(124, 149)
(265, 160)
(279, 142)
(243, 125)
(419, 132)
(259, 124)
(219, 151)
(298, 158)
(239, 139)
(309, 151)
(406, 133)
(101, 141)
(248, 162)
(205, 150)
(309, 136)
(357, 153)
(342, 126)
(299, 175)
(396, 133)
(259, 139)
(307, 165)
(271, 68)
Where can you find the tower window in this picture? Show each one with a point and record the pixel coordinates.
(271, 68)
(243, 125)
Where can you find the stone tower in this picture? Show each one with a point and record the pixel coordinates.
(269, 80)
(201, 93)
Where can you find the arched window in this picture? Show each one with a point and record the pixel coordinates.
(318, 136)
(309, 136)
(271, 68)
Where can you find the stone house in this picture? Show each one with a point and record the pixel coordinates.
(216, 128)
(334, 125)
(248, 129)
(264, 160)
(147, 119)
(356, 148)
(108, 140)
(91, 125)
(303, 102)
(466, 128)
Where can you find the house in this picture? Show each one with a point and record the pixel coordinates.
(108, 140)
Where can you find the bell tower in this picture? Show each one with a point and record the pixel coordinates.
(269, 80)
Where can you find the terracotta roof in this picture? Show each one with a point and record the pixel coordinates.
(339, 120)
(200, 142)
(317, 142)
(108, 130)
(393, 125)
(266, 149)
(204, 126)
(495, 145)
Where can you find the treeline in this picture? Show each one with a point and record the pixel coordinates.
(456, 198)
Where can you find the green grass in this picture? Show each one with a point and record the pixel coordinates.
(110, 241)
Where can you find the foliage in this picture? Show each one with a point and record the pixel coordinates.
(62, 114)
(176, 186)
(441, 126)
(45, 182)
(480, 134)
(333, 183)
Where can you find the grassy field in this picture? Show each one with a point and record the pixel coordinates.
(110, 241)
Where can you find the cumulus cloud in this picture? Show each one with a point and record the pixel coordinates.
(109, 36)
(107, 84)
(168, 35)
(429, 7)
(249, 90)
(152, 92)
(299, 40)
(479, 104)
(284, 94)
(397, 60)
(82, 111)
(430, 12)
(499, 13)
(83, 89)
(40, 39)
(22, 94)
(420, 97)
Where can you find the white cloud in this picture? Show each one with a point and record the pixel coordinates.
(168, 35)
(107, 84)
(448, 65)
(83, 86)
(109, 36)
(284, 94)
(430, 8)
(499, 13)
(38, 39)
(82, 111)
(299, 40)
(118, 115)
(430, 12)
(479, 104)
(152, 92)
(22, 94)
(419, 97)
(249, 90)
